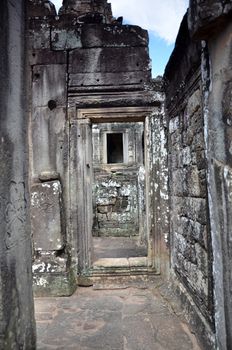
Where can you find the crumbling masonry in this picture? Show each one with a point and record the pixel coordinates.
(113, 152)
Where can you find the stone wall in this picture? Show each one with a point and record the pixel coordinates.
(191, 250)
(85, 66)
(189, 202)
(199, 108)
(17, 326)
(116, 205)
(216, 30)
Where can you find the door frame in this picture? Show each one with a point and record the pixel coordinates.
(81, 178)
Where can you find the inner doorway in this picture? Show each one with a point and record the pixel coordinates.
(119, 213)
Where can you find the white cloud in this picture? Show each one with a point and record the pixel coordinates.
(57, 3)
(160, 17)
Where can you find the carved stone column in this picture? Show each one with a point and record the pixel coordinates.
(17, 327)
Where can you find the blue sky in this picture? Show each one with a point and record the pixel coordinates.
(160, 52)
(160, 17)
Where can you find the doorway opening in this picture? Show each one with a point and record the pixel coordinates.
(114, 148)
(119, 213)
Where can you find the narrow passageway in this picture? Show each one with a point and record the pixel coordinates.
(118, 247)
(116, 319)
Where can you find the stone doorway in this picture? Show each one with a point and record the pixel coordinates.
(121, 122)
(83, 74)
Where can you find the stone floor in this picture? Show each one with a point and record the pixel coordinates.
(117, 247)
(118, 319)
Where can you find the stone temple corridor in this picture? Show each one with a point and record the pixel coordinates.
(113, 319)
(115, 188)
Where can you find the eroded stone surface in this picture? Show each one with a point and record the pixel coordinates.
(118, 247)
(190, 242)
(128, 319)
(17, 326)
(198, 107)
(208, 17)
(46, 206)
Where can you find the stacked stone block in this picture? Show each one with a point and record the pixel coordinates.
(190, 236)
(189, 202)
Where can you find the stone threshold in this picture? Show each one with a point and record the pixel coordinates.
(122, 266)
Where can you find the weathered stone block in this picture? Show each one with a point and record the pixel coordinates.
(49, 263)
(54, 284)
(49, 83)
(200, 160)
(99, 80)
(94, 35)
(179, 183)
(192, 208)
(206, 16)
(174, 159)
(108, 60)
(40, 8)
(102, 217)
(193, 127)
(186, 156)
(48, 176)
(194, 102)
(202, 259)
(47, 57)
(104, 209)
(174, 124)
(176, 138)
(198, 142)
(227, 103)
(87, 10)
(193, 182)
(46, 216)
(192, 230)
(65, 39)
(180, 243)
(50, 144)
(39, 35)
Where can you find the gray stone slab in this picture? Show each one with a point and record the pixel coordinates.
(126, 319)
(109, 79)
(109, 60)
(49, 83)
(46, 216)
(113, 36)
(63, 39)
(118, 247)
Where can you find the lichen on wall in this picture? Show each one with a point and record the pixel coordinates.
(189, 201)
(190, 235)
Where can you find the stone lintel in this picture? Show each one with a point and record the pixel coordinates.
(208, 17)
